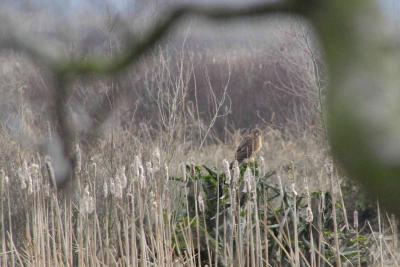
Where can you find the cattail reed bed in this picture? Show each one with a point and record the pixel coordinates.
(143, 216)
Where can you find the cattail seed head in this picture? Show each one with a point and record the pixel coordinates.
(156, 159)
(122, 177)
(166, 175)
(236, 172)
(248, 179)
(112, 186)
(29, 184)
(142, 177)
(46, 189)
(94, 164)
(166, 169)
(184, 172)
(21, 178)
(33, 167)
(280, 185)
(34, 171)
(25, 166)
(27, 177)
(227, 171)
(137, 164)
(87, 202)
(105, 189)
(118, 187)
(201, 203)
(322, 205)
(294, 189)
(262, 165)
(50, 172)
(4, 178)
(78, 158)
(153, 200)
(355, 219)
(309, 216)
(49, 130)
(149, 170)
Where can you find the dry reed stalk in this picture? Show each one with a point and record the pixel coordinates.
(142, 236)
(282, 247)
(295, 227)
(310, 221)
(394, 225)
(248, 240)
(9, 233)
(346, 221)
(120, 246)
(133, 230)
(259, 254)
(239, 234)
(217, 215)
(54, 237)
(207, 242)
(335, 226)
(321, 208)
(126, 240)
(355, 223)
(15, 254)
(3, 187)
(266, 229)
(392, 220)
(225, 242)
(199, 205)
(380, 236)
(230, 225)
(376, 243)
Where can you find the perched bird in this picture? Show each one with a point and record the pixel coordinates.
(250, 145)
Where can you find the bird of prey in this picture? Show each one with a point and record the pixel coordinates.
(250, 145)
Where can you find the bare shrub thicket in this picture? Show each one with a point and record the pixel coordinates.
(238, 86)
(201, 87)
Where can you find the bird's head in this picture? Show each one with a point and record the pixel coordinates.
(256, 132)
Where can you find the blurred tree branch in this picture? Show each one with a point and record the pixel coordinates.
(11, 37)
(164, 24)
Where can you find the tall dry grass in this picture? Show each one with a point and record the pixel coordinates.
(144, 214)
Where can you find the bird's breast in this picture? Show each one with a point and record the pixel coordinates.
(258, 144)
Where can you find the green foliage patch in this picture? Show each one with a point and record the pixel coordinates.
(231, 213)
